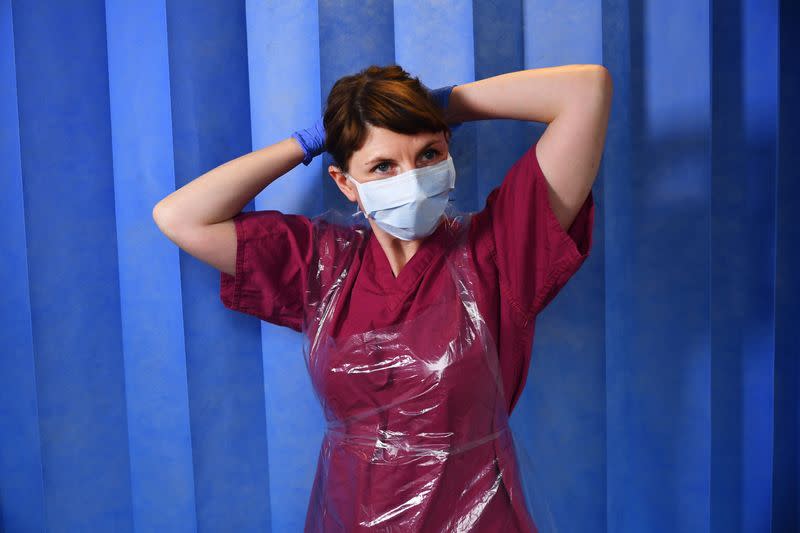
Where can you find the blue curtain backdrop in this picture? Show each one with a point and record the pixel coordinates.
(664, 391)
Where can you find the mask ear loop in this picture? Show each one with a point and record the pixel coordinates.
(360, 221)
(358, 212)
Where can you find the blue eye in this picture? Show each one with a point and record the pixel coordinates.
(434, 151)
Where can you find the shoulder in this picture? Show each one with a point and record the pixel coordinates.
(337, 239)
(471, 231)
(336, 233)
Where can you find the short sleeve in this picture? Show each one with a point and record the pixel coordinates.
(535, 257)
(273, 252)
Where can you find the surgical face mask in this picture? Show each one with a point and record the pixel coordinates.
(410, 204)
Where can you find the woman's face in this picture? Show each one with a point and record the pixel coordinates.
(386, 154)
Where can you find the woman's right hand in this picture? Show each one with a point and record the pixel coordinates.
(311, 140)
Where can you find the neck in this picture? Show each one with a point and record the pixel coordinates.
(398, 251)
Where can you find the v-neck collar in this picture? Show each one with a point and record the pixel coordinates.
(397, 287)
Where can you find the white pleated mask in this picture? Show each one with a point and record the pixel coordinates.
(410, 204)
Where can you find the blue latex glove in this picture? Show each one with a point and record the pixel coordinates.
(312, 140)
(442, 97)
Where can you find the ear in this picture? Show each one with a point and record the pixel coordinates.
(347, 188)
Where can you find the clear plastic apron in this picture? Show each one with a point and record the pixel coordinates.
(417, 435)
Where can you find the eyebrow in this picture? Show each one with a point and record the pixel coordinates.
(383, 158)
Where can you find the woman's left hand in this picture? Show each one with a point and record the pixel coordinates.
(442, 97)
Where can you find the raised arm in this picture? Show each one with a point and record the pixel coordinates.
(575, 102)
(198, 216)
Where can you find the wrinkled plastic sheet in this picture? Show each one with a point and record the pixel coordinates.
(417, 435)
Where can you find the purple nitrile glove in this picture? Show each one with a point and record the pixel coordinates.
(311, 140)
(442, 97)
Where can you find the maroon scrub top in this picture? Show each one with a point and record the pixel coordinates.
(519, 258)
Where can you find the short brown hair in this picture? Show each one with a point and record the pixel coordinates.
(387, 97)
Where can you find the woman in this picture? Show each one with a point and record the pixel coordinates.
(418, 320)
